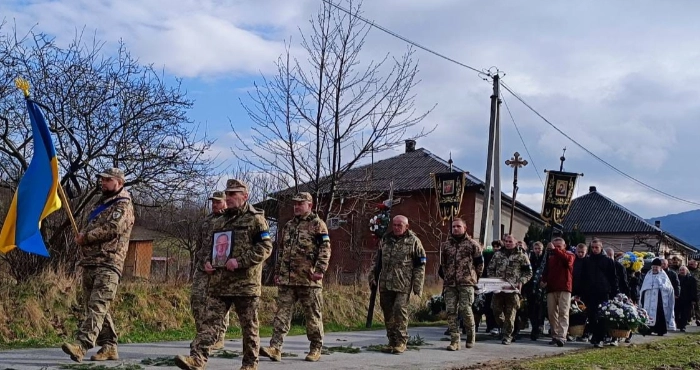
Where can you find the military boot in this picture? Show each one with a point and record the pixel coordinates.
(471, 338)
(106, 353)
(249, 367)
(275, 354)
(74, 350)
(399, 349)
(454, 343)
(314, 355)
(189, 363)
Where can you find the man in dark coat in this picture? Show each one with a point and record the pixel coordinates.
(620, 272)
(599, 271)
(534, 300)
(688, 298)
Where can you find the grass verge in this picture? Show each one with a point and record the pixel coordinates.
(673, 353)
(45, 312)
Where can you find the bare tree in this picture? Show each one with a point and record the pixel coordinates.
(322, 115)
(103, 111)
(182, 224)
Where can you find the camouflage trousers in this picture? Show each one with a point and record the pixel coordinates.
(505, 304)
(395, 309)
(311, 300)
(212, 323)
(198, 302)
(99, 289)
(458, 302)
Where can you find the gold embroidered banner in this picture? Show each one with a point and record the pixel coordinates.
(558, 192)
(449, 188)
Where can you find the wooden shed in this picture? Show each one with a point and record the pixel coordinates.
(138, 258)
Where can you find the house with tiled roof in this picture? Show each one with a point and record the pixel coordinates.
(363, 187)
(597, 216)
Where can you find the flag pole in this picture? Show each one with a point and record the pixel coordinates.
(66, 206)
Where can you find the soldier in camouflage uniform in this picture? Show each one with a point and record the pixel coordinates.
(237, 284)
(512, 265)
(200, 279)
(302, 260)
(695, 271)
(401, 262)
(462, 263)
(103, 244)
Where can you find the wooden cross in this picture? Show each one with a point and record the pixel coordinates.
(516, 162)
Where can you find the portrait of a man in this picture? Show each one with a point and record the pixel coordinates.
(448, 187)
(562, 188)
(221, 248)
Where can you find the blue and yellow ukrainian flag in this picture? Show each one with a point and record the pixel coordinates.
(36, 195)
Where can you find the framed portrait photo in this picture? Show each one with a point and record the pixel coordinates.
(448, 187)
(221, 248)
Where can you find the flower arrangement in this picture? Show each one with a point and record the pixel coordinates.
(436, 304)
(479, 302)
(620, 313)
(633, 261)
(379, 224)
(577, 312)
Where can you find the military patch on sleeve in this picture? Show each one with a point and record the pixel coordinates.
(265, 235)
(419, 261)
(116, 215)
(325, 238)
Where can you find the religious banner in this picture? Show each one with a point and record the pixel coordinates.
(558, 192)
(449, 188)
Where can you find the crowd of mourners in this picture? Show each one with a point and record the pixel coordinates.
(558, 275)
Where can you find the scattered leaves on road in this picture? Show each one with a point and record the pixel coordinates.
(159, 361)
(416, 341)
(224, 353)
(344, 349)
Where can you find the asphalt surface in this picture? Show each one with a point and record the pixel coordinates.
(432, 356)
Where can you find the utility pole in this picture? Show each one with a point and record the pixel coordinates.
(485, 211)
(497, 234)
(515, 162)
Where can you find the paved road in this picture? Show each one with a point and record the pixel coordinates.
(432, 356)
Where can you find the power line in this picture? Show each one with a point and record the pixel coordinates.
(532, 160)
(624, 174)
(487, 73)
(401, 37)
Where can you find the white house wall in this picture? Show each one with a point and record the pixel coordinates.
(521, 221)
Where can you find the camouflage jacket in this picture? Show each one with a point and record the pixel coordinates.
(462, 261)
(305, 248)
(107, 232)
(401, 261)
(203, 246)
(511, 265)
(696, 274)
(250, 246)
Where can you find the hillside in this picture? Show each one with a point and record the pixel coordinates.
(684, 225)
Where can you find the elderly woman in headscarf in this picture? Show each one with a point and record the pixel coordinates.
(657, 298)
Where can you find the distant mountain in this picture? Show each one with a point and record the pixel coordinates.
(684, 225)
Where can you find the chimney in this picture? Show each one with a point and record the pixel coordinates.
(410, 146)
(592, 189)
(657, 223)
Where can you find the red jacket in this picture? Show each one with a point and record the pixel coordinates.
(559, 271)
